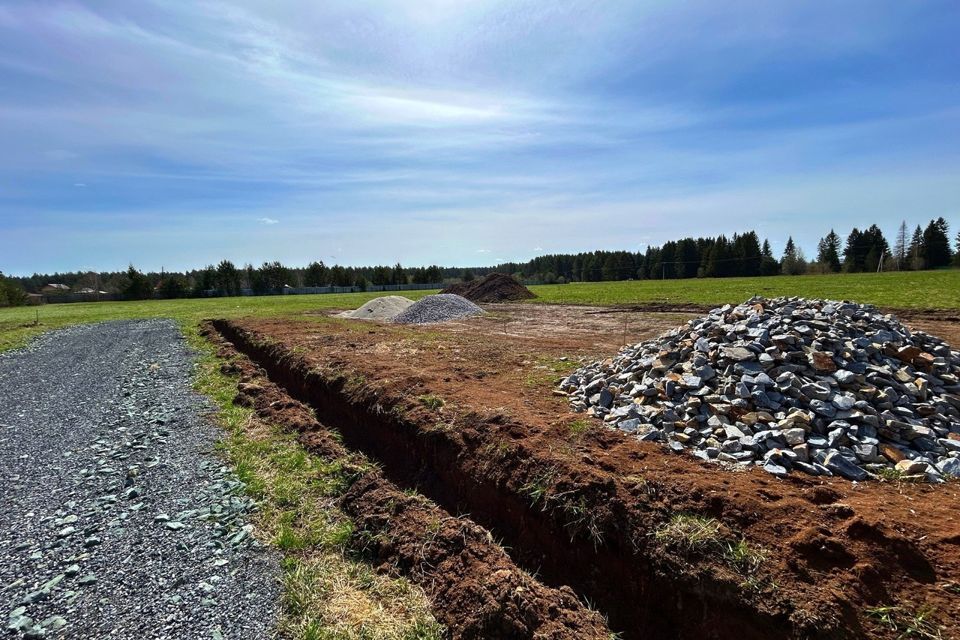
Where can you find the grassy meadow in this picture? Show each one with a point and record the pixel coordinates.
(894, 290)
(18, 324)
(904, 290)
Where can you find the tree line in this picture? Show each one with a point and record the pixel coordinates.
(743, 254)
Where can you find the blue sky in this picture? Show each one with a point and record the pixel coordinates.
(173, 134)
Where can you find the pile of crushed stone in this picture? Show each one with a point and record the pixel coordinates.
(440, 307)
(382, 308)
(789, 384)
(496, 287)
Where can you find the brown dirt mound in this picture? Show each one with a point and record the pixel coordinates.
(496, 287)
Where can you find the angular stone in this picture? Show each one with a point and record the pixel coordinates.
(911, 467)
(839, 465)
(822, 362)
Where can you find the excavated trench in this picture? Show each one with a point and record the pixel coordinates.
(640, 600)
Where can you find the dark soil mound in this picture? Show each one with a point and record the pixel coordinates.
(496, 287)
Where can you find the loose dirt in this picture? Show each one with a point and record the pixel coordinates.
(496, 287)
(476, 589)
(464, 412)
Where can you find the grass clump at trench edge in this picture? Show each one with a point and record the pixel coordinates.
(689, 532)
(327, 594)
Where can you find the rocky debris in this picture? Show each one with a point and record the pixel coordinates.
(440, 307)
(496, 287)
(382, 308)
(104, 445)
(788, 384)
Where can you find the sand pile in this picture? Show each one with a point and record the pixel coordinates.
(496, 287)
(382, 308)
(438, 308)
(789, 384)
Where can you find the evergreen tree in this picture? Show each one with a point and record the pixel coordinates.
(315, 275)
(956, 256)
(793, 262)
(854, 252)
(228, 279)
(936, 243)
(901, 248)
(877, 248)
(769, 266)
(828, 251)
(917, 251)
(399, 275)
(687, 259)
(175, 286)
(11, 294)
(138, 286)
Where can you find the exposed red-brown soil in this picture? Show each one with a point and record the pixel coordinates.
(585, 505)
(476, 589)
(496, 287)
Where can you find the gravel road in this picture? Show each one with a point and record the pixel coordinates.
(117, 520)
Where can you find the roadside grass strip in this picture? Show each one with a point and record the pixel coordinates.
(327, 594)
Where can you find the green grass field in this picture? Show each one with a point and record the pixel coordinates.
(903, 290)
(907, 290)
(17, 324)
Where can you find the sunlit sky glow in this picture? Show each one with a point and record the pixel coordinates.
(173, 134)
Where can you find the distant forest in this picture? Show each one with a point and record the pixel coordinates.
(740, 255)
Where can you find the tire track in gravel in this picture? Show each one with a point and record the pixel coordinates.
(116, 518)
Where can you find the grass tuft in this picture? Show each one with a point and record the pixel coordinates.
(906, 623)
(689, 532)
(327, 594)
(431, 401)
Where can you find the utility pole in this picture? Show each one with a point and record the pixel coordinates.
(880, 263)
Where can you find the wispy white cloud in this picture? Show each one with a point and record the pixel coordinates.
(433, 125)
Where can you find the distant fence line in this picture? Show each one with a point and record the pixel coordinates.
(300, 291)
(215, 293)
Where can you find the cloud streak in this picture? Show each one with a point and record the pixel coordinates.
(435, 126)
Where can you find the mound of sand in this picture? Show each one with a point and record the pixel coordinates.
(382, 308)
(496, 287)
(438, 308)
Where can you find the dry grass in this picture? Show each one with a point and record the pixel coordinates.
(328, 594)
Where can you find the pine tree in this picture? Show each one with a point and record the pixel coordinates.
(876, 248)
(854, 252)
(769, 266)
(315, 275)
(956, 256)
(936, 243)
(917, 251)
(399, 276)
(793, 263)
(901, 249)
(828, 251)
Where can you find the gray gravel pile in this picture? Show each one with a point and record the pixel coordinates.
(117, 518)
(822, 387)
(382, 308)
(438, 308)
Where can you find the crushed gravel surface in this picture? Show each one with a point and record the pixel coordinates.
(440, 307)
(117, 519)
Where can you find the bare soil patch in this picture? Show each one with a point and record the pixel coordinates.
(464, 412)
(476, 589)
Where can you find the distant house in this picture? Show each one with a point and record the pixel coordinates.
(87, 291)
(51, 289)
(34, 298)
